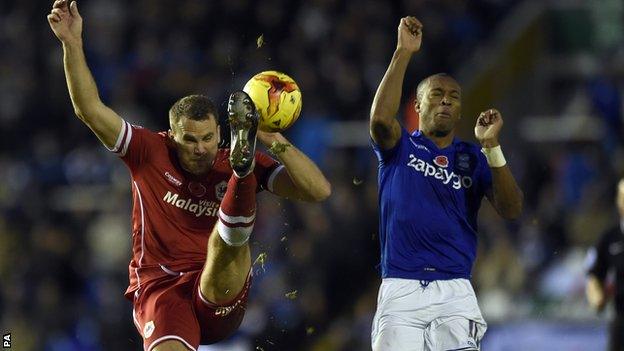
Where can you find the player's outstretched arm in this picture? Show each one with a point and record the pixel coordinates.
(301, 179)
(66, 23)
(506, 196)
(595, 293)
(384, 127)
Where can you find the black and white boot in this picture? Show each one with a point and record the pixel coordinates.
(243, 119)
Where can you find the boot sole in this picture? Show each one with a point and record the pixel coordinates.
(241, 120)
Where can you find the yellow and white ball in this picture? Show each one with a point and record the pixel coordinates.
(277, 98)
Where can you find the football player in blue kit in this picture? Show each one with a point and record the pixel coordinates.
(430, 189)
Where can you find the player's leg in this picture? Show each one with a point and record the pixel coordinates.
(398, 337)
(454, 333)
(164, 315)
(458, 324)
(228, 261)
(400, 319)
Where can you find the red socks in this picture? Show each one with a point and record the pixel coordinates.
(237, 213)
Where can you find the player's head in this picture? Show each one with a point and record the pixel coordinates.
(620, 197)
(438, 103)
(195, 132)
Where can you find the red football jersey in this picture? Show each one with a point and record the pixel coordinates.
(174, 212)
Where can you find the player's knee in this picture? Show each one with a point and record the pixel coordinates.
(171, 345)
(234, 236)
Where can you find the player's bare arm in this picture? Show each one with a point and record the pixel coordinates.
(506, 196)
(300, 179)
(66, 23)
(595, 293)
(384, 127)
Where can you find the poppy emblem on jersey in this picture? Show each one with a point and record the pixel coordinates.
(220, 190)
(148, 330)
(197, 189)
(441, 161)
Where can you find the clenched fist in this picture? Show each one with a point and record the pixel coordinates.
(489, 124)
(410, 34)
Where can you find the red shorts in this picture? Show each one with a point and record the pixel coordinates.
(173, 309)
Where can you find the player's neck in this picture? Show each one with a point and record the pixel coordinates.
(441, 141)
(195, 173)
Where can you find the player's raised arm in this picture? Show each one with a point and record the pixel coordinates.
(506, 196)
(384, 127)
(300, 179)
(66, 23)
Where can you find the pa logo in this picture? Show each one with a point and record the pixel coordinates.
(6, 341)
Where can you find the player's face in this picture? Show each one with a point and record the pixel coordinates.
(197, 143)
(440, 108)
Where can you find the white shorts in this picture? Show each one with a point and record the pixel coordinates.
(443, 315)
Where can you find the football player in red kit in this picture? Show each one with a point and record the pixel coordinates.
(194, 205)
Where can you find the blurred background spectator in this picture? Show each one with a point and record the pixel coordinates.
(554, 68)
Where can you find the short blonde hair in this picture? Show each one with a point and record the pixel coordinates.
(195, 107)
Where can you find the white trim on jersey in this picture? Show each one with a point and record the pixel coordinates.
(142, 224)
(136, 270)
(236, 219)
(168, 337)
(136, 321)
(122, 132)
(123, 140)
(272, 177)
(127, 142)
(169, 271)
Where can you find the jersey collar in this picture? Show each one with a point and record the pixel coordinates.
(418, 134)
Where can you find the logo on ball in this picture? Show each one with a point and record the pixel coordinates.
(277, 98)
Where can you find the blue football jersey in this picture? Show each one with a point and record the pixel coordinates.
(429, 199)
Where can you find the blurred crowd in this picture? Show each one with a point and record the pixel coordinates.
(65, 201)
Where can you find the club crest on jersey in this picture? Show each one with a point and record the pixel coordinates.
(220, 190)
(463, 162)
(148, 330)
(441, 161)
(197, 189)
